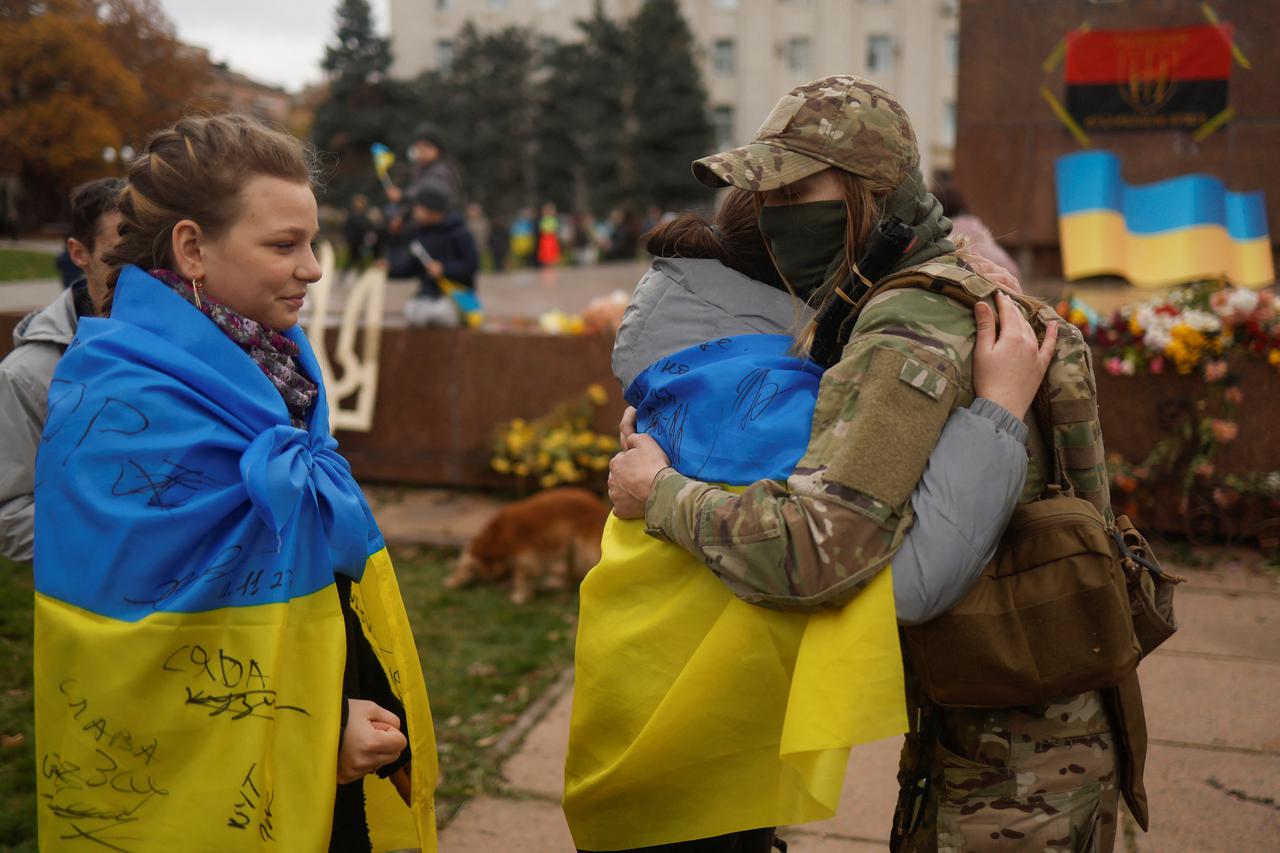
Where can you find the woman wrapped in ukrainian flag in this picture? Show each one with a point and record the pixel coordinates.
(223, 660)
(700, 721)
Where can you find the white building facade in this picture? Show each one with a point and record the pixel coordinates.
(751, 52)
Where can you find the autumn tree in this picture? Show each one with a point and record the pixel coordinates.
(78, 77)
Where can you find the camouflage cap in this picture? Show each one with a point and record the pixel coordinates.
(843, 121)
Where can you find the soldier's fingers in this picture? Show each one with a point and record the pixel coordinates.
(1045, 355)
(986, 321)
(1012, 324)
(639, 441)
(627, 428)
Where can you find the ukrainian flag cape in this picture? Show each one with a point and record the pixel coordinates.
(696, 714)
(190, 642)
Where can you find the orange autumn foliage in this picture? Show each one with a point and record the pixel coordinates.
(81, 76)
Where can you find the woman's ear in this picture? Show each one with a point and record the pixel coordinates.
(188, 259)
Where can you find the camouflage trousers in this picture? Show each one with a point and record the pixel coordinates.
(1040, 778)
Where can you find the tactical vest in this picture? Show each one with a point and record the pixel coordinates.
(1072, 598)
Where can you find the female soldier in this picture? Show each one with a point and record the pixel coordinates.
(222, 654)
(835, 159)
(707, 329)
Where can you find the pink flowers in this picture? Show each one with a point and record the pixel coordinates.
(1224, 432)
(1156, 365)
(1215, 371)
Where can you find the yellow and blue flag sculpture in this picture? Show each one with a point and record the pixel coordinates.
(1188, 228)
(696, 714)
(190, 642)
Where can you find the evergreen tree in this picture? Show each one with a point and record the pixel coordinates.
(582, 151)
(669, 126)
(357, 57)
(485, 107)
(363, 105)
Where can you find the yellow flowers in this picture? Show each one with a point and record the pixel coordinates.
(1273, 358)
(1186, 347)
(560, 447)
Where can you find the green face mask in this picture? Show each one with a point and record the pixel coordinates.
(806, 240)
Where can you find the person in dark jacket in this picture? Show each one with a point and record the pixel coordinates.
(441, 253)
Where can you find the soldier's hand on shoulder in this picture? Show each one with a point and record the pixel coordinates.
(1009, 366)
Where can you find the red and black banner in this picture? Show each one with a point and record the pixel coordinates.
(1169, 79)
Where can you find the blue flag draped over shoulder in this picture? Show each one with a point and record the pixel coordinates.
(696, 714)
(190, 641)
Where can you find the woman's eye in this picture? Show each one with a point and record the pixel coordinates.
(284, 245)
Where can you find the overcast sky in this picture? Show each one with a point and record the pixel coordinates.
(274, 41)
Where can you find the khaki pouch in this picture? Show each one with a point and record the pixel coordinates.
(1048, 617)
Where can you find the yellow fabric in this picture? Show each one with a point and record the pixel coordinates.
(1096, 243)
(216, 731)
(696, 714)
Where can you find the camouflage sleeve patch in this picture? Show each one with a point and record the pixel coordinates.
(891, 425)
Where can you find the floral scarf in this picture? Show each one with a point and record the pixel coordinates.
(272, 351)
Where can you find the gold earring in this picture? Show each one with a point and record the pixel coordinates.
(195, 288)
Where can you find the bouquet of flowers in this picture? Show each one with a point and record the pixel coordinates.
(557, 448)
(1192, 327)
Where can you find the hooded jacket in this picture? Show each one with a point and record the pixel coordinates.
(974, 474)
(25, 375)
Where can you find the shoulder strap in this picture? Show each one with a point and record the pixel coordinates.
(1065, 408)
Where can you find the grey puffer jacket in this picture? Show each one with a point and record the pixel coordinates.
(25, 375)
(974, 475)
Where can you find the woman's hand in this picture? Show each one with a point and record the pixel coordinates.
(371, 739)
(632, 471)
(1008, 369)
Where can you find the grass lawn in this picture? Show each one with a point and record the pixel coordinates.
(20, 265)
(485, 660)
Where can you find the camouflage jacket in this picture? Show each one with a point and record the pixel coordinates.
(817, 539)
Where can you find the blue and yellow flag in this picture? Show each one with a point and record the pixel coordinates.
(696, 714)
(383, 160)
(1188, 228)
(190, 641)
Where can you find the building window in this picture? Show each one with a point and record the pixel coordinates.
(725, 5)
(724, 58)
(499, 4)
(953, 52)
(548, 4)
(444, 56)
(949, 124)
(444, 5)
(547, 46)
(880, 50)
(798, 53)
(722, 126)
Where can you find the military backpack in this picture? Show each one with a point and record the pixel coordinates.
(1073, 597)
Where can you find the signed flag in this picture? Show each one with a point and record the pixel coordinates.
(691, 705)
(190, 639)
(1162, 79)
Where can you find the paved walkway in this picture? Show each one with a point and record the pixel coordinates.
(1213, 773)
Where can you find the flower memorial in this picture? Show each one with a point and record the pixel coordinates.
(1209, 330)
(559, 447)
